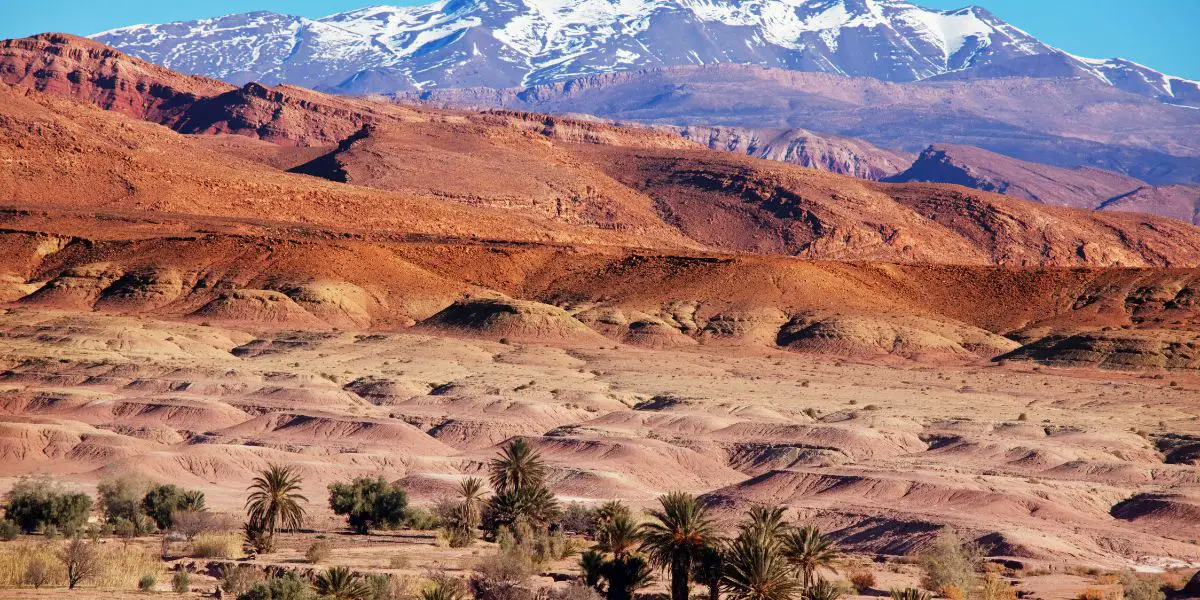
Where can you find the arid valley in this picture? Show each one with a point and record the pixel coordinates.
(201, 282)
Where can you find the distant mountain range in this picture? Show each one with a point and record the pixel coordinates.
(858, 87)
(507, 43)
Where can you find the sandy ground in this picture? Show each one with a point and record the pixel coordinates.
(1054, 468)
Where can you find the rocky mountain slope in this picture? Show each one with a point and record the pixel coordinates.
(630, 233)
(559, 180)
(1061, 122)
(835, 154)
(1083, 187)
(503, 43)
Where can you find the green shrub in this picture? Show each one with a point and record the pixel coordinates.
(162, 502)
(40, 503)
(147, 583)
(369, 503)
(421, 519)
(9, 530)
(181, 582)
(288, 586)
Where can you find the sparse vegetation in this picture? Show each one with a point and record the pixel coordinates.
(909, 594)
(181, 582)
(862, 580)
(949, 565)
(147, 583)
(318, 552)
(216, 545)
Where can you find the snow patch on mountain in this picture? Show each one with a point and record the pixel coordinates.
(501, 43)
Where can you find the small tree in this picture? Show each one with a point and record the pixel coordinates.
(121, 497)
(81, 560)
(369, 503)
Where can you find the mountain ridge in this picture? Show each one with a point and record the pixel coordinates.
(507, 43)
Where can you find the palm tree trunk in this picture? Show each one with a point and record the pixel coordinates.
(680, 568)
(714, 588)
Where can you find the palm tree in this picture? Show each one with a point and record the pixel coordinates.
(823, 590)
(191, 500)
(755, 569)
(709, 568)
(677, 537)
(338, 583)
(533, 506)
(765, 521)
(518, 466)
(619, 536)
(274, 500)
(470, 490)
(591, 567)
(807, 550)
(626, 576)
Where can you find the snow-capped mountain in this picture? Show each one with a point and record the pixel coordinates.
(507, 43)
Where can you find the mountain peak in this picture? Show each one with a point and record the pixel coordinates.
(507, 43)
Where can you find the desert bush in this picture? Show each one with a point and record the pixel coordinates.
(862, 580)
(502, 576)
(421, 519)
(81, 561)
(236, 580)
(457, 536)
(9, 530)
(286, 586)
(908, 594)
(1141, 588)
(191, 523)
(37, 572)
(578, 519)
(823, 589)
(398, 561)
(995, 587)
(318, 552)
(442, 586)
(217, 545)
(128, 529)
(147, 583)
(36, 504)
(952, 592)
(1092, 594)
(389, 587)
(949, 565)
(571, 592)
(181, 582)
(369, 503)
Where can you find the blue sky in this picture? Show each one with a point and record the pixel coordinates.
(1158, 33)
